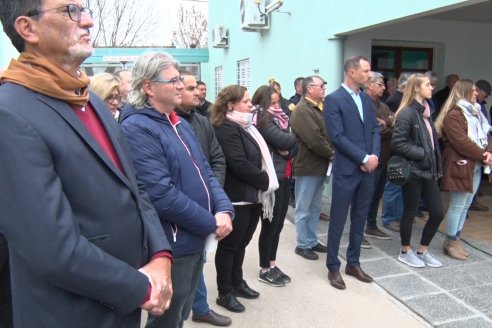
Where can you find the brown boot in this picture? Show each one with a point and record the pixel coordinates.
(450, 248)
(460, 247)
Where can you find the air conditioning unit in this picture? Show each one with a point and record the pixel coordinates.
(253, 15)
(220, 37)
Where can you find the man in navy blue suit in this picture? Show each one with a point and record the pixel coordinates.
(351, 123)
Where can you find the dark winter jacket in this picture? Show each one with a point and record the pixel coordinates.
(278, 139)
(411, 140)
(244, 177)
(170, 163)
(206, 136)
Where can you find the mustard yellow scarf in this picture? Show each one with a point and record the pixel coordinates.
(40, 75)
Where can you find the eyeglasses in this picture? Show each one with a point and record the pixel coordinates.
(111, 99)
(173, 80)
(380, 84)
(321, 85)
(74, 12)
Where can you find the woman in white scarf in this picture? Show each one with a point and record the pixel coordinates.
(250, 184)
(468, 146)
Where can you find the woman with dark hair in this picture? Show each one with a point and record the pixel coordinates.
(467, 147)
(250, 184)
(415, 139)
(273, 125)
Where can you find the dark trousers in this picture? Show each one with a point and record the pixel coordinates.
(6, 320)
(379, 183)
(185, 273)
(430, 193)
(270, 231)
(229, 256)
(352, 192)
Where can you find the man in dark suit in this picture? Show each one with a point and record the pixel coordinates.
(351, 123)
(86, 246)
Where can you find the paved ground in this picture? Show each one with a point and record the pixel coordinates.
(457, 295)
(309, 300)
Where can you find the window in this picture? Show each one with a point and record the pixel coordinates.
(392, 61)
(192, 68)
(219, 82)
(243, 73)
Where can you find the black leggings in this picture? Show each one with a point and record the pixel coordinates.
(430, 193)
(270, 231)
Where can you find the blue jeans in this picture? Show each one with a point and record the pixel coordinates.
(309, 192)
(185, 272)
(200, 304)
(392, 203)
(459, 202)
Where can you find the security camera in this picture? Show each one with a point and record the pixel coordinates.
(271, 7)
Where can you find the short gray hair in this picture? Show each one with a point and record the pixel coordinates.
(308, 81)
(375, 76)
(431, 75)
(403, 79)
(148, 67)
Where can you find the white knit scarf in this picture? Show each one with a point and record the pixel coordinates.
(267, 197)
(478, 126)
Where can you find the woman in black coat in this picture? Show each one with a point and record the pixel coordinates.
(415, 139)
(250, 184)
(273, 125)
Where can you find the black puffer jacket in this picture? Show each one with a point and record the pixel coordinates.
(278, 139)
(411, 140)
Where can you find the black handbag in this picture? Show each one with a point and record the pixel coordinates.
(399, 170)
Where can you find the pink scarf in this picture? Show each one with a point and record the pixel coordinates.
(279, 117)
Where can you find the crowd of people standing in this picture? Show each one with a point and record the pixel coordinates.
(117, 186)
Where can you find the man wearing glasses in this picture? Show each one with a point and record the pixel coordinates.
(354, 131)
(86, 246)
(310, 165)
(182, 187)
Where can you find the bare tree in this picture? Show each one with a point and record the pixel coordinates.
(122, 23)
(191, 31)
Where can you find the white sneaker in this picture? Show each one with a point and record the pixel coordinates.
(429, 260)
(411, 259)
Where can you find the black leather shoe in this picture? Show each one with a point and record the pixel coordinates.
(213, 318)
(243, 290)
(319, 248)
(230, 302)
(336, 279)
(307, 253)
(358, 273)
(478, 207)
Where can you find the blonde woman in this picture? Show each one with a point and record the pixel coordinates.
(467, 147)
(415, 139)
(107, 87)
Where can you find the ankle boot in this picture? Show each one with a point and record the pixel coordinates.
(450, 248)
(460, 247)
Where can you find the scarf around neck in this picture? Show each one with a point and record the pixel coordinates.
(40, 75)
(279, 117)
(478, 126)
(426, 114)
(267, 197)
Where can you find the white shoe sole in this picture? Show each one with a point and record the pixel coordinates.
(411, 264)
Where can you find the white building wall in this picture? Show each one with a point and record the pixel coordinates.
(463, 48)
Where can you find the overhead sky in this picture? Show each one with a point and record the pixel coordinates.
(168, 11)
